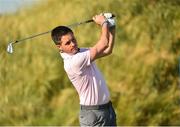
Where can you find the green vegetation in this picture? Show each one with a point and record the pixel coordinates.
(142, 72)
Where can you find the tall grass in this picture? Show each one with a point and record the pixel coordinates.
(142, 72)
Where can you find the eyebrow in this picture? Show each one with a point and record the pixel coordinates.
(73, 38)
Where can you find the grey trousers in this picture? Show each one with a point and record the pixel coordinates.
(97, 117)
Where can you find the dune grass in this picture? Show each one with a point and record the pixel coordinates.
(142, 72)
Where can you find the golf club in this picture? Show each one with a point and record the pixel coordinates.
(10, 45)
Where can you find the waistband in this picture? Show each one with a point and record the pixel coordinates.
(96, 107)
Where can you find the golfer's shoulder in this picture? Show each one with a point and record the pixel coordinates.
(80, 58)
(83, 52)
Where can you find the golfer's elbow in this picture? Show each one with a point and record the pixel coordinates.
(109, 52)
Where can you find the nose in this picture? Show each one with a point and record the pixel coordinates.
(73, 43)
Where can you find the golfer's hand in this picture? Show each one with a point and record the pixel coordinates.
(99, 19)
(110, 19)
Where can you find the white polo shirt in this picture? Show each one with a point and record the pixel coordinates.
(86, 78)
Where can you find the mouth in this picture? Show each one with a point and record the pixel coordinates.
(74, 49)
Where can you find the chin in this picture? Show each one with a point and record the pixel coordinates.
(72, 52)
(75, 51)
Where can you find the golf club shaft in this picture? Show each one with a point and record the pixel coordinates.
(33, 36)
(72, 25)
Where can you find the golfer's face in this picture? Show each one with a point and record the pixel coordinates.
(69, 44)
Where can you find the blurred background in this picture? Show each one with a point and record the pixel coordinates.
(142, 73)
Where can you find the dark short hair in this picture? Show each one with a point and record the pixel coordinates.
(58, 32)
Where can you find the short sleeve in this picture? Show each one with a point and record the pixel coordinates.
(80, 61)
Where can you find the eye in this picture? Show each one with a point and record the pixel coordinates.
(73, 39)
(68, 43)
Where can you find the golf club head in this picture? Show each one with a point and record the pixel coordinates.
(10, 48)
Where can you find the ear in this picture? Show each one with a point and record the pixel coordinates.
(59, 47)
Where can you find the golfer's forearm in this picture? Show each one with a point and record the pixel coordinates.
(103, 43)
(110, 47)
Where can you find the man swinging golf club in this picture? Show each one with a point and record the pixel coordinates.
(79, 63)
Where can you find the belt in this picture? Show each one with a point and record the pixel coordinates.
(96, 107)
